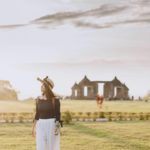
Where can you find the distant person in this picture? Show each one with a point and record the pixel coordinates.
(99, 100)
(46, 127)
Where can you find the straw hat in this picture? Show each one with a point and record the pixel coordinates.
(47, 81)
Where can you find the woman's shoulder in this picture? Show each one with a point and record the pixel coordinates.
(57, 100)
(40, 98)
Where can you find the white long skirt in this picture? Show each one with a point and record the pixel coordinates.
(45, 135)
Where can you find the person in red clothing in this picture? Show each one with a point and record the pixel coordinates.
(99, 100)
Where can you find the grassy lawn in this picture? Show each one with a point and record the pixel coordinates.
(79, 106)
(129, 135)
(82, 136)
(16, 106)
(120, 106)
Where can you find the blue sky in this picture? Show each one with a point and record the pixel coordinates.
(67, 39)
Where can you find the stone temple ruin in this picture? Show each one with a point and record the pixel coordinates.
(6, 91)
(111, 90)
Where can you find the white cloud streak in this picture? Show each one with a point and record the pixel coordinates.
(131, 12)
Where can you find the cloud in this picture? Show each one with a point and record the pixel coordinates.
(63, 17)
(146, 14)
(91, 25)
(96, 63)
(83, 24)
(14, 26)
(140, 2)
(119, 14)
(105, 16)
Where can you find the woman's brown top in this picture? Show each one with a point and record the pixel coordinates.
(46, 109)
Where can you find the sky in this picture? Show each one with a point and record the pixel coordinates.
(68, 39)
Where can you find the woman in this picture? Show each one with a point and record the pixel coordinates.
(46, 127)
(99, 100)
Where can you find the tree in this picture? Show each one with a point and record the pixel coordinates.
(147, 97)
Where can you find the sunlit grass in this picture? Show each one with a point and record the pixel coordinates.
(79, 106)
(125, 135)
(82, 136)
(116, 106)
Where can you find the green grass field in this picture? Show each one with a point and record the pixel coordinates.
(79, 106)
(124, 135)
(82, 136)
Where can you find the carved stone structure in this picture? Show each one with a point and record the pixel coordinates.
(6, 91)
(112, 90)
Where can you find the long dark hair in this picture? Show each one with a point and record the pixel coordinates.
(48, 92)
(49, 95)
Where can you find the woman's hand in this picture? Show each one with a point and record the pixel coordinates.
(34, 129)
(33, 132)
(57, 128)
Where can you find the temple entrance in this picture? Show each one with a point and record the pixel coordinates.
(85, 91)
(76, 93)
(115, 91)
(100, 88)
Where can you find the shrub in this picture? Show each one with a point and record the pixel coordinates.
(131, 116)
(109, 116)
(147, 116)
(95, 116)
(88, 114)
(72, 114)
(101, 115)
(141, 116)
(95, 113)
(21, 119)
(120, 117)
(80, 113)
(125, 116)
(12, 117)
(67, 117)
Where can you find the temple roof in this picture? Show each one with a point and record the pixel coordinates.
(84, 80)
(125, 86)
(75, 85)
